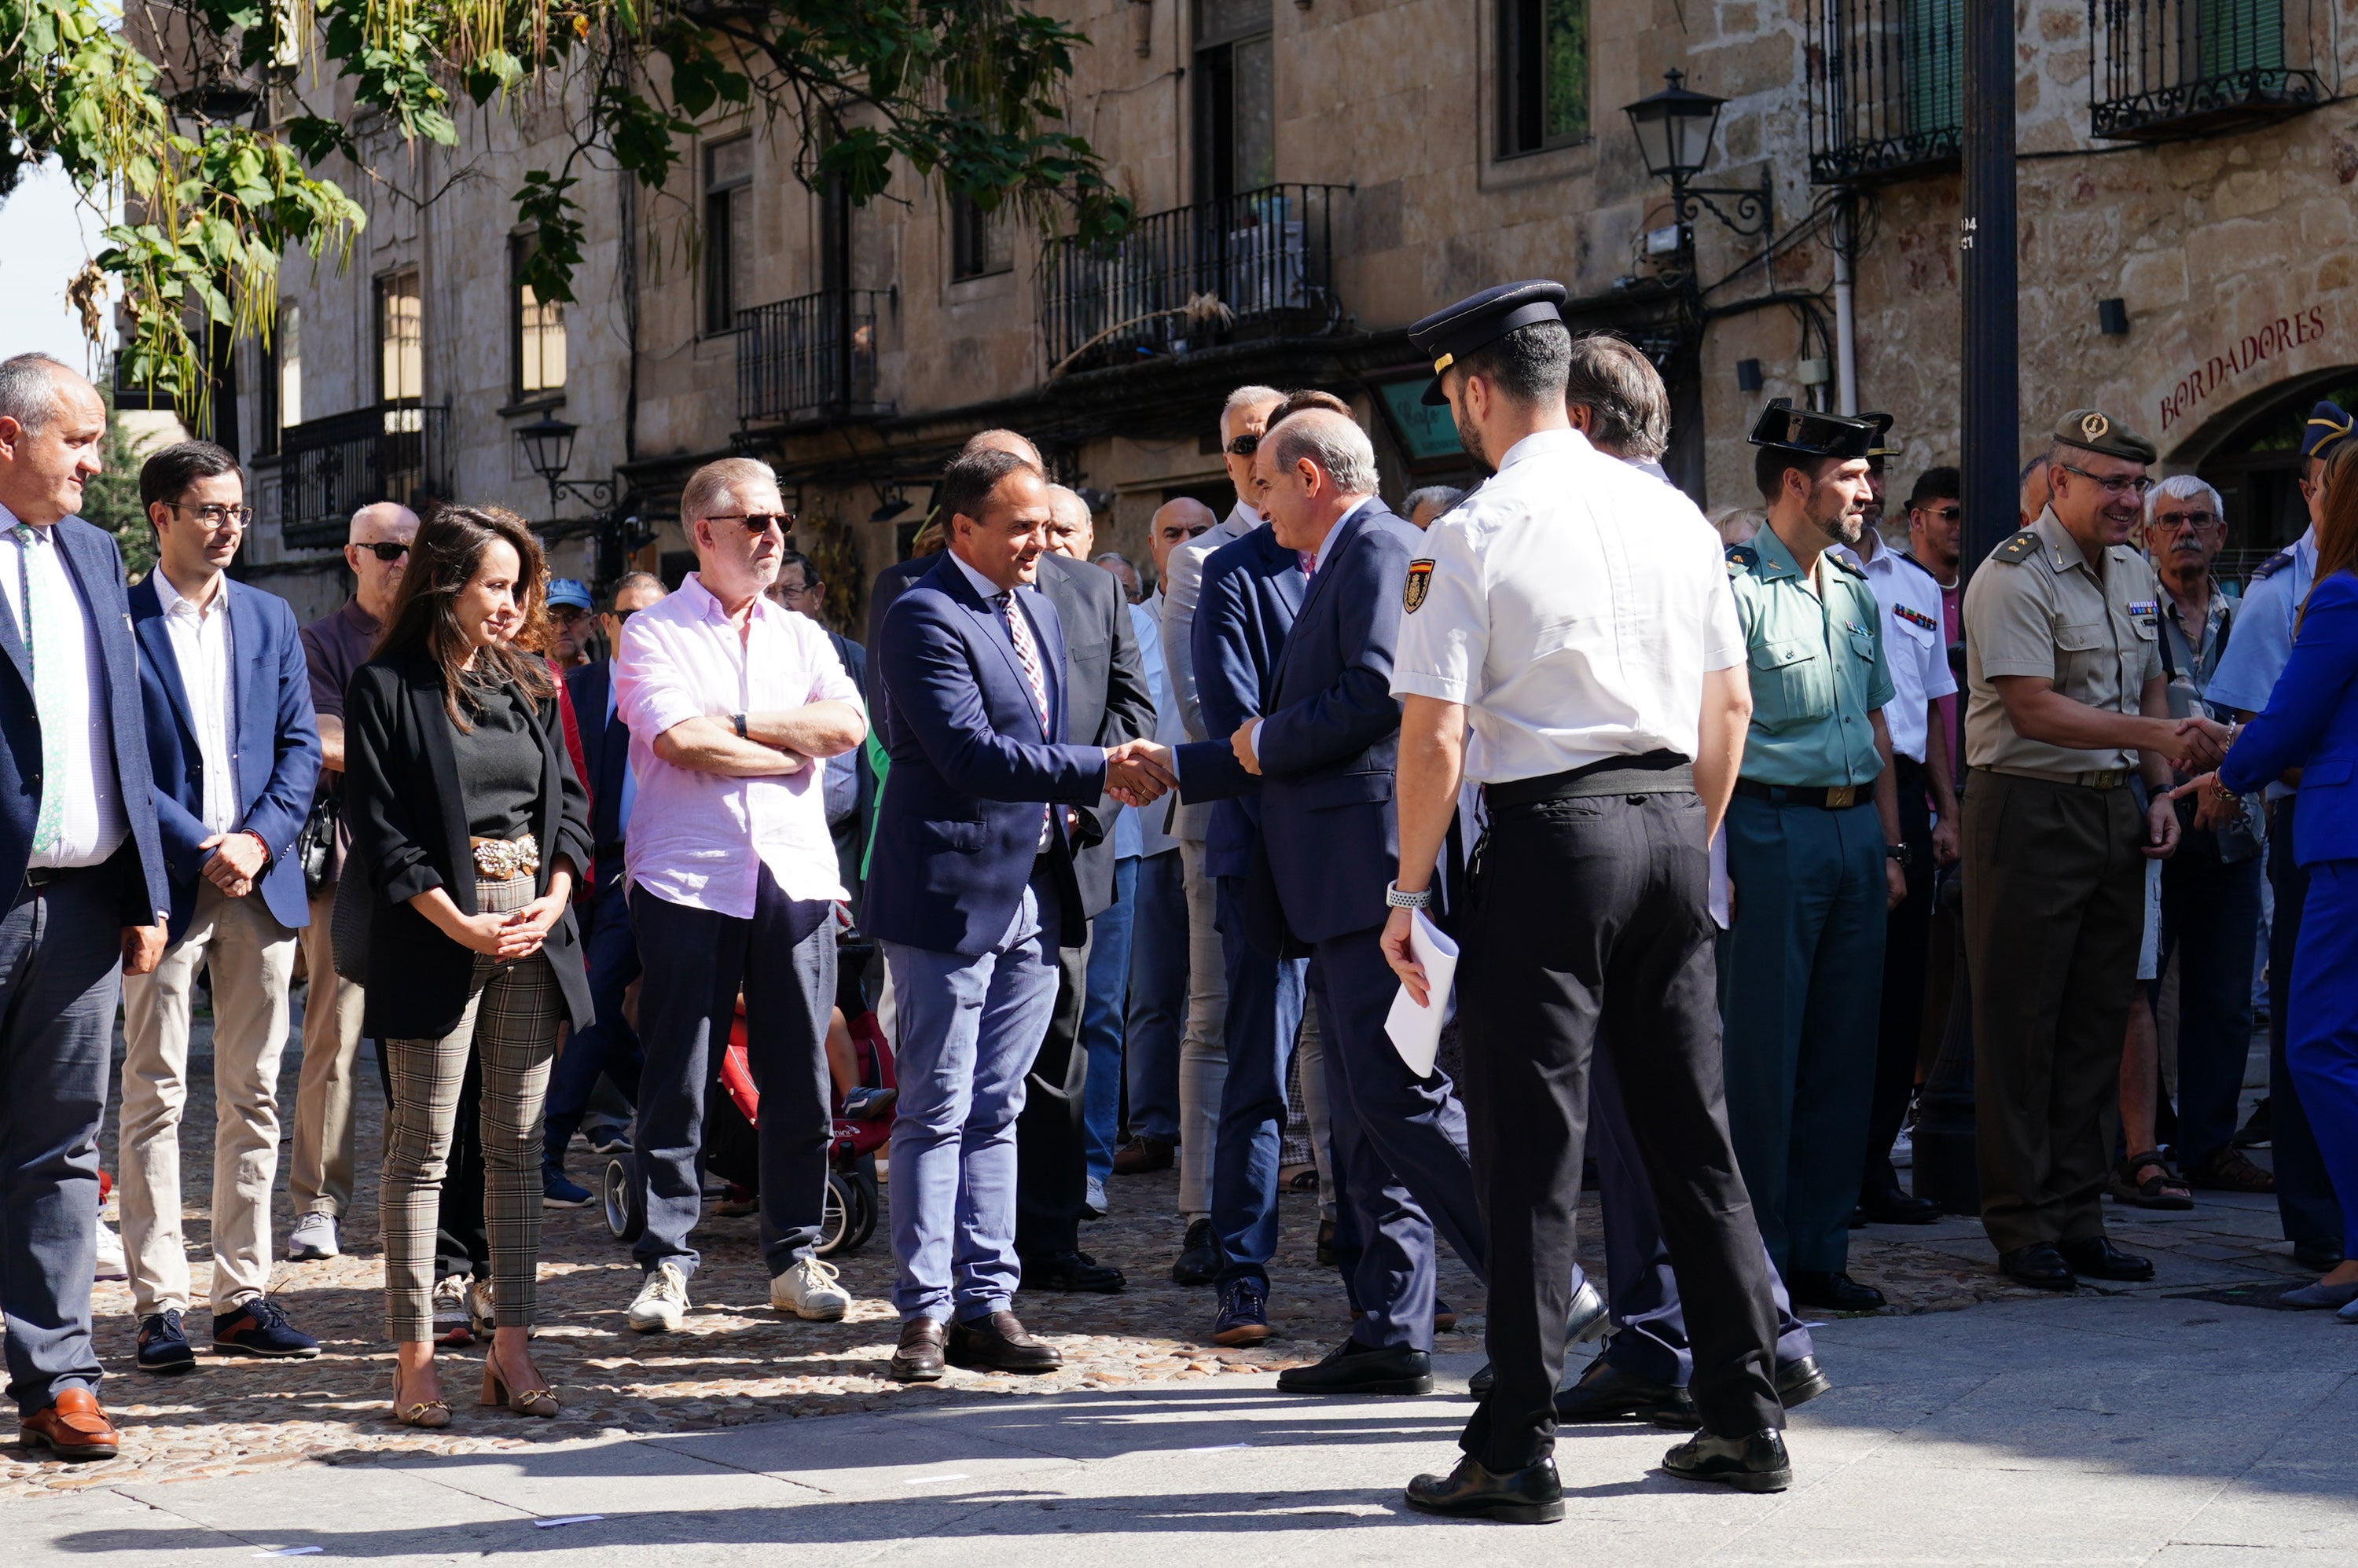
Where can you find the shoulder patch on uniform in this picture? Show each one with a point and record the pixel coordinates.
(2272, 565)
(1741, 559)
(1414, 586)
(1845, 564)
(1904, 555)
(2018, 549)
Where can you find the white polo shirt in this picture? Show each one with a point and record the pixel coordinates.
(1912, 644)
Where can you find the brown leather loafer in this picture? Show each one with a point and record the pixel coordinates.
(1000, 1344)
(919, 1357)
(74, 1428)
(1141, 1156)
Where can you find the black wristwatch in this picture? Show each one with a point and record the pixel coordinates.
(738, 721)
(1903, 853)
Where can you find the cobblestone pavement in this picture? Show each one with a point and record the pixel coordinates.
(736, 1362)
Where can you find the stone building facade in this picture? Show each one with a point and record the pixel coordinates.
(1328, 170)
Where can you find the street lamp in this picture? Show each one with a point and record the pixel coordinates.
(1674, 128)
(548, 448)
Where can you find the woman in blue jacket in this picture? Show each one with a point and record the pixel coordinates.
(2311, 725)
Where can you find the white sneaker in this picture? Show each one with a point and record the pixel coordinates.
(314, 1236)
(1094, 1205)
(452, 1326)
(663, 1300)
(807, 1288)
(111, 1264)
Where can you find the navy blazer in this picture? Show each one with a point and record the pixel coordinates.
(1252, 590)
(958, 821)
(2311, 723)
(96, 567)
(1106, 700)
(1329, 747)
(605, 749)
(274, 750)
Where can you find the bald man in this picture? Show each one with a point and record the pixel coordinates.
(319, 1179)
(1072, 531)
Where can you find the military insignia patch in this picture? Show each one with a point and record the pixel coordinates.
(2145, 609)
(1413, 590)
(2093, 427)
(1915, 618)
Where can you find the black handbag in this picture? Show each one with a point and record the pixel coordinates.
(315, 846)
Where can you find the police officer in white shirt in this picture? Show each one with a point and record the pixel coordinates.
(1577, 611)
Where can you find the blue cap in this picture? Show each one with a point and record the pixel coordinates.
(569, 590)
(2328, 423)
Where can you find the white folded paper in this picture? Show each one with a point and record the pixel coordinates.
(1416, 1030)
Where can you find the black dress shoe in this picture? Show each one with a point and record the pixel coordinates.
(1072, 1272)
(1200, 1256)
(1605, 1393)
(1754, 1464)
(2095, 1258)
(1895, 1208)
(1798, 1382)
(1352, 1368)
(999, 1344)
(1588, 1320)
(1532, 1495)
(2041, 1268)
(919, 1357)
(2318, 1257)
(1831, 1289)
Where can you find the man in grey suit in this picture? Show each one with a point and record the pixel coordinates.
(1203, 1049)
(84, 866)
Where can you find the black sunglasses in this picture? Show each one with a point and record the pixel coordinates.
(757, 522)
(387, 552)
(1244, 446)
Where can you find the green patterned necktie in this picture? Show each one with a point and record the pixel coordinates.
(36, 592)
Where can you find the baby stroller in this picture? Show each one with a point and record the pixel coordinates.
(732, 1152)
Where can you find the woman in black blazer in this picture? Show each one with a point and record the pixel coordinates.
(471, 828)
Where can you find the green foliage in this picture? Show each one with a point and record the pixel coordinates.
(111, 500)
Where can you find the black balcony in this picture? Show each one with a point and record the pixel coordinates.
(807, 358)
(330, 469)
(1884, 89)
(1258, 264)
(2175, 69)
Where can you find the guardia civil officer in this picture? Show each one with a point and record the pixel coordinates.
(1575, 611)
(2065, 696)
(1813, 841)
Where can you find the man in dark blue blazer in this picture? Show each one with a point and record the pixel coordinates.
(235, 749)
(1322, 761)
(970, 893)
(87, 898)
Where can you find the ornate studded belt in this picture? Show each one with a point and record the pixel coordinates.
(501, 860)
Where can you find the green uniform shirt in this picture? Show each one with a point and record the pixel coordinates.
(1816, 664)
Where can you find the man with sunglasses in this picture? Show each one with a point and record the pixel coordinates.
(2066, 696)
(320, 1176)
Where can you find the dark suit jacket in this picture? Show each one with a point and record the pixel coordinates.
(1251, 591)
(1329, 747)
(274, 750)
(1107, 700)
(408, 822)
(851, 835)
(890, 584)
(958, 821)
(96, 567)
(605, 749)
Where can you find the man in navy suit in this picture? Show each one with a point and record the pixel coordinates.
(235, 753)
(1323, 761)
(971, 893)
(88, 899)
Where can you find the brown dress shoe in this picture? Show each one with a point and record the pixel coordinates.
(74, 1428)
(2228, 1172)
(919, 1357)
(1142, 1155)
(1000, 1344)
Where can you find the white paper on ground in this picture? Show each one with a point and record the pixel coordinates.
(565, 1519)
(291, 1552)
(1416, 1030)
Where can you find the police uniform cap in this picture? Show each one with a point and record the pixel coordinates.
(1449, 335)
(2328, 424)
(2092, 430)
(1812, 433)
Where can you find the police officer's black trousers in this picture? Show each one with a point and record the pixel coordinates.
(1589, 927)
(1906, 943)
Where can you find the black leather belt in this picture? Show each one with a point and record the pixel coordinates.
(1653, 773)
(1833, 797)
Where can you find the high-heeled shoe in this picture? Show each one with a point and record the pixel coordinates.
(423, 1412)
(541, 1402)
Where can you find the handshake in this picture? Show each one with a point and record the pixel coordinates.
(1139, 772)
(2197, 745)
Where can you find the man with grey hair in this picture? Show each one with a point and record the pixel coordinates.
(1123, 572)
(1426, 504)
(82, 860)
(1203, 1055)
(319, 1174)
(1072, 531)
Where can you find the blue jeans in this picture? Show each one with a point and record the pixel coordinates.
(1158, 997)
(609, 1045)
(967, 1031)
(1101, 1018)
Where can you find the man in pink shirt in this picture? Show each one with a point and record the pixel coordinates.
(732, 702)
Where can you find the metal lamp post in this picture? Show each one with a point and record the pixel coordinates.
(1674, 129)
(548, 444)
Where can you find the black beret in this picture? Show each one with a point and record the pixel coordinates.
(1816, 435)
(2092, 430)
(1446, 335)
(2328, 423)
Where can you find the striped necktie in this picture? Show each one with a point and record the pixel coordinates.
(1027, 653)
(37, 594)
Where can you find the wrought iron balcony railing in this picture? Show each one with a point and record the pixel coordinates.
(2173, 69)
(1885, 85)
(1265, 256)
(807, 357)
(330, 469)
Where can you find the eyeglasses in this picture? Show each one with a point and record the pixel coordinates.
(567, 613)
(1244, 446)
(215, 515)
(2195, 520)
(621, 615)
(757, 522)
(388, 551)
(2118, 485)
(1949, 514)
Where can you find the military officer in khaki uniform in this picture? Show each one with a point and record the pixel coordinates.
(2066, 699)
